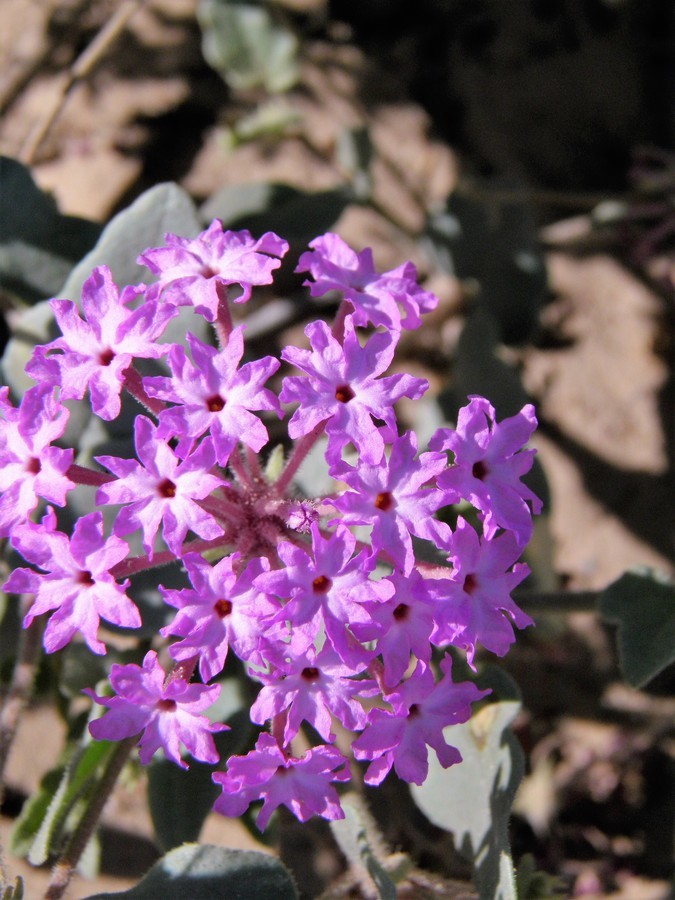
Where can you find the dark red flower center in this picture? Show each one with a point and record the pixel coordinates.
(470, 583)
(84, 577)
(344, 393)
(401, 612)
(166, 488)
(322, 584)
(222, 608)
(166, 705)
(215, 404)
(34, 466)
(105, 357)
(413, 711)
(480, 470)
(310, 673)
(385, 501)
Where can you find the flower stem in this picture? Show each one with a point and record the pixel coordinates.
(136, 564)
(253, 461)
(83, 475)
(338, 329)
(223, 323)
(278, 727)
(223, 509)
(66, 864)
(133, 382)
(182, 670)
(297, 457)
(236, 463)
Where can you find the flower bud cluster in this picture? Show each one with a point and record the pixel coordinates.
(337, 625)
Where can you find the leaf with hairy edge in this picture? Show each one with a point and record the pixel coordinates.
(164, 208)
(247, 47)
(40, 830)
(360, 841)
(642, 603)
(203, 872)
(38, 245)
(473, 800)
(181, 799)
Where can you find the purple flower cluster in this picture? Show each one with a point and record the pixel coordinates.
(338, 626)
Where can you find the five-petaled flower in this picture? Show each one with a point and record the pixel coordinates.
(166, 710)
(76, 585)
(343, 388)
(190, 271)
(303, 784)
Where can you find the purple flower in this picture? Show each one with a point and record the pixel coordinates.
(223, 610)
(161, 488)
(29, 467)
(214, 394)
(343, 389)
(312, 686)
(166, 711)
(190, 270)
(96, 352)
(397, 498)
(376, 298)
(479, 586)
(302, 784)
(488, 465)
(406, 620)
(332, 586)
(76, 581)
(421, 710)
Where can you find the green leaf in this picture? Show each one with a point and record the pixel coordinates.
(33, 813)
(244, 44)
(642, 603)
(272, 119)
(10, 631)
(39, 831)
(204, 872)
(355, 157)
(534, 884)
(294, 214)
(473, 800)
(179, 799)
(362, 844)
(38, 245)
(14, 891)
(163, 208)
(511, 274)
(479, 370)
(79, 779)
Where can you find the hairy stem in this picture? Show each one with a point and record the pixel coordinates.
(223, 323)
(345, 307)
(83, 475)
(236, 463)
(135, 564)
(133, 382)
(66, 864)
(220, 508)
(297, 457)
